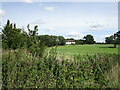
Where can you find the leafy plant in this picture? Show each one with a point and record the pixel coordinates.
(23, 69)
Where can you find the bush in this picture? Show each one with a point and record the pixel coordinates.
(22, 69)
(37, 49)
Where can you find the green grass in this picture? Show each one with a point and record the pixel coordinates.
(86, 49)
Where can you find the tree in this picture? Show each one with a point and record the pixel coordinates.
(116, 38)
(113, 39)
(80, 41)
(70, 39)
(11, 36)
(32, 32)
(32, 35)
(34, 44)
(109, 40)
(89, 39)
(61, 40)
(52, 40)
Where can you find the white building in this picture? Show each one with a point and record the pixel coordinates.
(68, 42)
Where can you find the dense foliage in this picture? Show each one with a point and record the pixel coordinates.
(89, 39)
(52, 40)
(26, 63)
(113, 39)
(109, 40)
(14, 38)
(21, 69)
(80, 41)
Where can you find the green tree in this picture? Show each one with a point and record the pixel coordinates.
(34, 45)
(80, 41)
(11, 36)
(113, 39)
(32, 32)
(70, 39)
(61, 40)
(116, 38)
(52, 40)
(109, 40)
(89, 39)
(31, 35)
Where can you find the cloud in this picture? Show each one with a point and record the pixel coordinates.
(104, 36)
(84, 24)
(101, 38)
(74, 35)
(28, 1)
(96, 26)
(50, 8)
(39, 21)
(99, 24)
(2, 13)
(49, 29)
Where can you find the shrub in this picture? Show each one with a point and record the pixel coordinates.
(23, 69)
(37, 49)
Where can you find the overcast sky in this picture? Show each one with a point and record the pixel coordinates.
(69, 19)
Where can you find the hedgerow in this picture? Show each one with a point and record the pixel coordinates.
(21, 69)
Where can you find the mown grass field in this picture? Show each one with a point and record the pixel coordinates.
(71, 50)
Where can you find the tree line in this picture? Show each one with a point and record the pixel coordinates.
(13, 37)
(50, 40)
(88, 39)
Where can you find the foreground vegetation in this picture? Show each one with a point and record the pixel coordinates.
(26, 63)
(22, 69)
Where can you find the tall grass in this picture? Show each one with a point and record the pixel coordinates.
(22, 69)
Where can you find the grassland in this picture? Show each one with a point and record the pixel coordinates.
(71, 50)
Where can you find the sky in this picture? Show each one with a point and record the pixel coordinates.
(68, 19)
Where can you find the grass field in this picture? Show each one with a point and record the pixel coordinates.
(86, 49)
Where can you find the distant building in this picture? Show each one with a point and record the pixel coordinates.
(69, 42)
